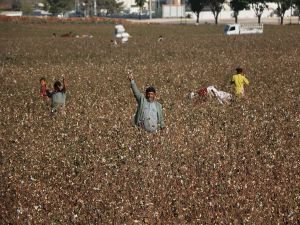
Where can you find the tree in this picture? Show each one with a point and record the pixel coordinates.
(297, 3)
(59, 6)
(111, 6)
(16, 5)
(216, 6)
(140, 3)
(237, 6)
(282, 7)
(258, 6)
(197, 6)
(26, 8)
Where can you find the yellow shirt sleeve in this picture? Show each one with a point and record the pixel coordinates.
(246, 80)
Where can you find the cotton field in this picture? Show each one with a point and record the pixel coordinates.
(212, 164)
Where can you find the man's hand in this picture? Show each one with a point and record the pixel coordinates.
(130, 77)
(130, 74)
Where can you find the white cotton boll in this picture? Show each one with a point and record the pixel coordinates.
(192, 95)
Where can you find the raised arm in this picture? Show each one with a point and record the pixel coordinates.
(160, 117)
(49, 93)
(136, 92)
(64, 85)
(246, 80)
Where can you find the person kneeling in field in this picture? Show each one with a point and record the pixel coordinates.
(58, 97)
(149, 113)
(239, 80)
(211, 92)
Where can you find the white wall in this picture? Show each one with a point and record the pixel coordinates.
(127, 3)
(11, 13)
(173, 11)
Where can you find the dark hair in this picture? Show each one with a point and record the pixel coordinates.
(239, 70)
(43, 78)
(57, 85)
(150, 89)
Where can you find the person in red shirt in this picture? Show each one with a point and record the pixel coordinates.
(43, 87)
(203, 94)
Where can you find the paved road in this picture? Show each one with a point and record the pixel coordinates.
(273, 20)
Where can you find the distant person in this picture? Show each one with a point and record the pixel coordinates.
(239, 80)
(43, 88)
(149, 113)
(69, 34)
(160, 38)
(58, 97)
(113, 42)
(203, 94)
(222, 96)
(120, 33)
(200, 95)
(84, 36)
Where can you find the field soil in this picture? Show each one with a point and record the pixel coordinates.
(213, 164)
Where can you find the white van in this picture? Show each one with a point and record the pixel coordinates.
(235, 29)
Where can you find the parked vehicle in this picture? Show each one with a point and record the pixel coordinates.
(236, 29)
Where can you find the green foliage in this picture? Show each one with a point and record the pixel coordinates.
(58, 6)
(16, 5)
(46, 5)
(140, 3)
(282, 7)
(197, 6)
(238, 5)
(26, 8)
(258, 6)
(297, 4)
(216, 6)
(110, 5)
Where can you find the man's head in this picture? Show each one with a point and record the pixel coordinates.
(150, 94)
(57, 86)
(239, 70)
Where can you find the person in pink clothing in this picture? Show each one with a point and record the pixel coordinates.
(43, 88)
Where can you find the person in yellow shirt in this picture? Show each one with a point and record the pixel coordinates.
(239, 80)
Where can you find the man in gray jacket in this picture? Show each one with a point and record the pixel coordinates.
(149, 113)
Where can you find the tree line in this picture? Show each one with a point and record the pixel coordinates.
(61, 6)
(258, 6)
(113, 6)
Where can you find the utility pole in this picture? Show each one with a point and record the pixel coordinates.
(150, 9)
(291, 11)
(95, 8)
